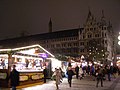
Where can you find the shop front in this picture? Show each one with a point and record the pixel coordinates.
(30, 62)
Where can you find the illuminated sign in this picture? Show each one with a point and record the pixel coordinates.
(23, 78)
(37, 76)
(3, 75)
(43, 55)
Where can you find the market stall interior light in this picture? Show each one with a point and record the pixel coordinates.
(30, 51)
(19, 56)
(3, 55)
(55, 63)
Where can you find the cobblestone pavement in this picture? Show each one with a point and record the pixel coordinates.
(85, 84)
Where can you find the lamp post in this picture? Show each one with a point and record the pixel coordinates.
(118, 44)
(119, 39)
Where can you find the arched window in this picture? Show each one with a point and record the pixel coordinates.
(89, 35)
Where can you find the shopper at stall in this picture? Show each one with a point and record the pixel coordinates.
(3, 63)
(14, 78)
(27, 63)
(45, 74)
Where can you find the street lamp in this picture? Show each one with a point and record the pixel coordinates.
(119, 39)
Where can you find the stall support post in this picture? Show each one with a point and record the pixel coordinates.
(9, 62)
(9, 65)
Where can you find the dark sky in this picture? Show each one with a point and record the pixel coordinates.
(32, 16)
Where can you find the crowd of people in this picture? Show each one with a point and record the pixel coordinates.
(99, 73)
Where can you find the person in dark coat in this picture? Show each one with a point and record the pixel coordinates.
(45, 74)
(99, 75)
(108, 73)
(70, 73)
(77, 71)
(14, 78)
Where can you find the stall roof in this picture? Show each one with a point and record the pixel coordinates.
(38, 50)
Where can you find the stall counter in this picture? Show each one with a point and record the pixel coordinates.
(26, 78)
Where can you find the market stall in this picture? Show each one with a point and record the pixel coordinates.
(29, 61)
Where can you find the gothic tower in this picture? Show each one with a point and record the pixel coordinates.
(98, 39)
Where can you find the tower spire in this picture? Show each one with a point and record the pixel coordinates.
(89, 13)
(103, 19)
(50, 25)
(103, 14)
(90, 16)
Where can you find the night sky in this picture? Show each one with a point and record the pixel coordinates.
(32, 16)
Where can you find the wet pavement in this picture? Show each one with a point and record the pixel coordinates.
(86, 83)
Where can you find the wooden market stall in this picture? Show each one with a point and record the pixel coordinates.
(29, 61)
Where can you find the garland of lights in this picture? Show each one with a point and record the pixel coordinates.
(14, 51)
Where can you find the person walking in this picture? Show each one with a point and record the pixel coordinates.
(99, 75)
(70, 73)
(80, 72)
(77, 71)
(58, 77)
(108, 72)
(14, 78)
